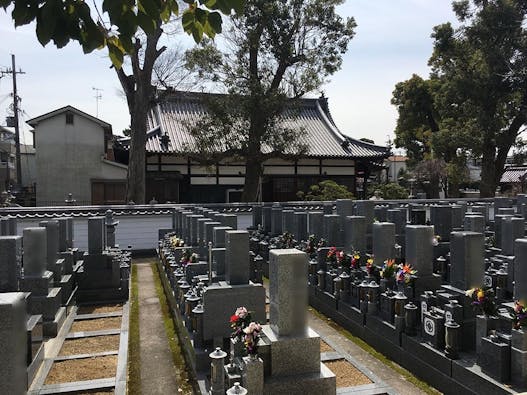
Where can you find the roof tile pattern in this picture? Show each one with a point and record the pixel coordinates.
(513, 175)
(175, 114)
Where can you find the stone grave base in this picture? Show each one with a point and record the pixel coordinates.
(320, 383)
(461, 376)
(293, 355)
(51, 328)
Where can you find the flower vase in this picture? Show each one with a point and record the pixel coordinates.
(237, 348)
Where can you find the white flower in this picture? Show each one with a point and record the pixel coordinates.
(253, 326)
(241, 312)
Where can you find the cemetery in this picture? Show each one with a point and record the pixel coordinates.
(438, 287)
(64, 310)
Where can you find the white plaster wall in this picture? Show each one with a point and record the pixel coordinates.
(68, 157)
(139, 231)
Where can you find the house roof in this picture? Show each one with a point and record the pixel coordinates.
(173, 115)
(35, 121)
(397, 158)
(513, 175)
(7, 129)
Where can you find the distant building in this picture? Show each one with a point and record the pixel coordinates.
(395, 164)
(7, 158)
(74, 154)
(173, 176)
(514, 180)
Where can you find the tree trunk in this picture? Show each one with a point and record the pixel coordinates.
(135, 190)
(487, 186)
(253, 173)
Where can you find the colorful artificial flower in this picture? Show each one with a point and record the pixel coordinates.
(332, 255)
(239, 321)
(388, 269)
(252, 334)
(519, 318)
(355, 261)
(369, 266)
(435, 240)
(405, 273)
(188, 257)
(483, 300)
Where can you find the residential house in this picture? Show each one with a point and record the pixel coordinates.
(74, 154)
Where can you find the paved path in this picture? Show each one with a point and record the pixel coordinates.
(345, 346)
(157, 367)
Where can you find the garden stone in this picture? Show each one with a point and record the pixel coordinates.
(383, 242)
(512, 228)
(474, 223)
(237, 257)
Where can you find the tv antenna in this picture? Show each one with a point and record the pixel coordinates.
(98, 96)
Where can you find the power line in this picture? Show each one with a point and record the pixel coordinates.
(13, 71)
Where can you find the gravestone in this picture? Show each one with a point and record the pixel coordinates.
(266, 218)
(520, 270)
(13, 343)
(383, 242)
(294, 348)
(397, 217)
(512, 228)
(481, 210)
(237, 257)
(257, 216)
(381, 213)
(276, 221)
(331, 229)
(457, 216)
(230, 220)
(63, 234)
(355, 233)
(344, 207)
(300, 226)
(441, 218)
(474, 223)
(10, 262)
(193, 232)
(96, 235)
(467, 267)
(35, 251)
(52, 239)
(498, 222)
(287, 221)
(419, 248)
(315, 223)
(365, 208)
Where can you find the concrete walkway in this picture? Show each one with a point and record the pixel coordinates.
(157, 367)
(345, 346)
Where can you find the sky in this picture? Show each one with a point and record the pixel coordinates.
(392, 42)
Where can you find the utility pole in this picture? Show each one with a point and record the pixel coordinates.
(98, 96)
(14, 72)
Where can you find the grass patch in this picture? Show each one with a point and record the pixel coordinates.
(183, 376)
(134, 359)
(381, 357)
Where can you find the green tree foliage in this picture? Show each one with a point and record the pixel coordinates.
(476, 93)
(325, 190)
(389, 191)
(115, 24)
(276, 51)
(126, 28)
